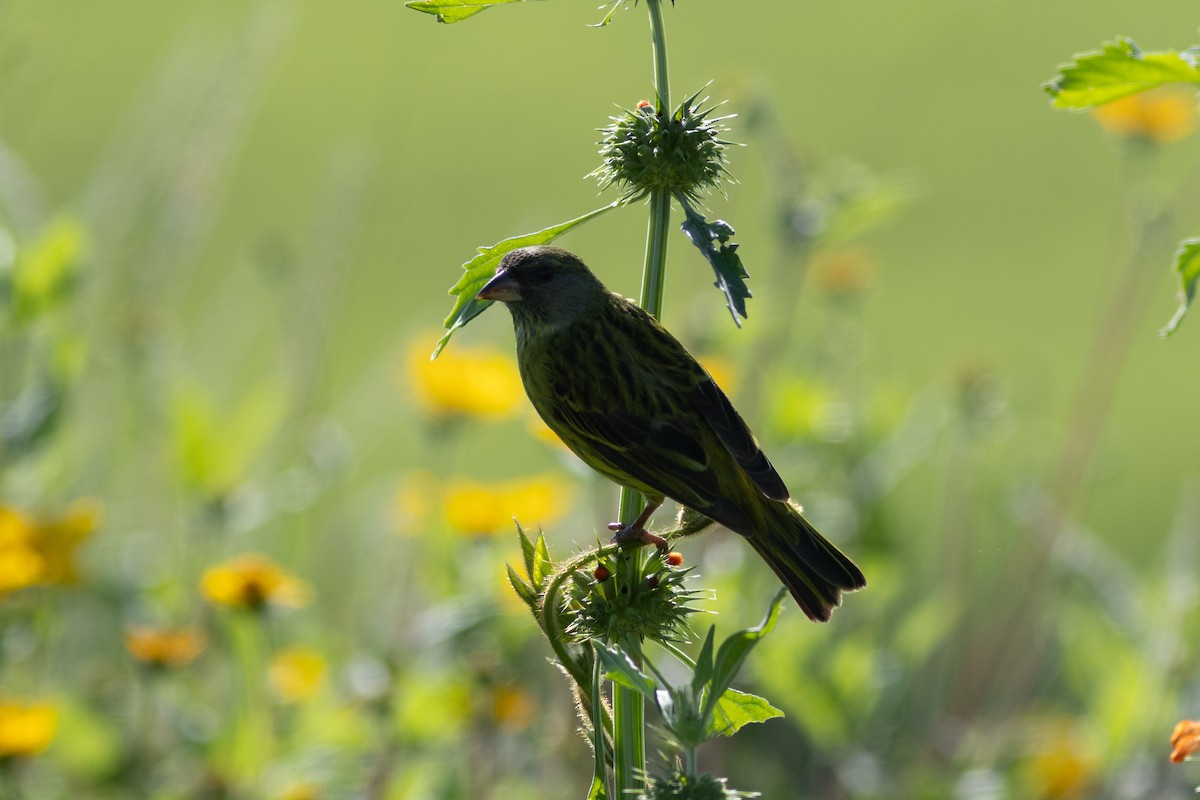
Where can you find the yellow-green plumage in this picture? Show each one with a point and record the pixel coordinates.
(629, 400)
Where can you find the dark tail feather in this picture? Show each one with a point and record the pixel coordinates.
(814, 571)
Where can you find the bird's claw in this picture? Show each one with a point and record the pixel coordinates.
(631, 534)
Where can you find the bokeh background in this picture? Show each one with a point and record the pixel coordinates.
(252, 541)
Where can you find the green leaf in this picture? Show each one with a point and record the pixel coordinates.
(450, 11)
(736, 648)
(1118, 70)
(1187, 264)
(704, 663)
(31, 416)
(527, 550)
(523, 589)
(736, 709)
(712, 239)
(622, 671)
(542, 565)
(480, 269)
(616, 6)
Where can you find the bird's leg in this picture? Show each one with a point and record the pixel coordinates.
(636, 530)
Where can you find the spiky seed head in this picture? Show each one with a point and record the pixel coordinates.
(643, 150)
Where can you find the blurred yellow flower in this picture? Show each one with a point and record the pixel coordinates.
(1162, 115)
(722, 371)
(478, 382)
(304, 790)
(57, 539)
(475, 508)
(26, 729)
(34, 551)
(296, 674)
(842, 274)
(1061, 767)
(252, 581)
(160, 647)
(1185, 740)
(512, 707)
(20, 564)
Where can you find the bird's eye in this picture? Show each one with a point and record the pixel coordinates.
(541, 274)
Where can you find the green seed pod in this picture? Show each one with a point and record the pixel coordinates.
(644, 150)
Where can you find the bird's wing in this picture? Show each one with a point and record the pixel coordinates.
(646, 453)
(715, 408)
(665, 424)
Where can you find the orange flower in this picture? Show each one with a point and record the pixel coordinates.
(164, 648)
(1161, 115)
(479, 382)
(252, 581)
(26, 729)
(1185, 740)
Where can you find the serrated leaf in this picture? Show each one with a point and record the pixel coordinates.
(1118, 70)
(622, 671)
(480, 269)
(451, 11)
(734, 650)
(1187, 264)
(736, 709)
(712, 239)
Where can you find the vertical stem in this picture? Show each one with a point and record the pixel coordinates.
(629, 711)
(661, 82)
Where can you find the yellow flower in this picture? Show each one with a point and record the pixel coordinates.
(252, 581)
(478, 382)
(1185, 740)
(26, 729)
(164, 648)
(296, 674)
(476, 508)
(843, 274)
(1161, 115)
(722, 371)
(304, 790)
(20, 564)
(1062, 766)
(57, 539)
(512, 708)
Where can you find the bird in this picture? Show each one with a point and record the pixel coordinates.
(630, 401)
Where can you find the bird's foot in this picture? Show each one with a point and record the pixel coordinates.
(635, 533)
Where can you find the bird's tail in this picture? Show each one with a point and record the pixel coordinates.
(814, 571)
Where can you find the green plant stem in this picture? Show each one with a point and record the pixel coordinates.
(629, 711)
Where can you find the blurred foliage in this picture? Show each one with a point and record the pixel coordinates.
(219, 267)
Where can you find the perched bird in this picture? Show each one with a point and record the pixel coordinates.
(629, 400)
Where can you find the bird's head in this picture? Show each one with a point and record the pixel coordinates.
(545, 286)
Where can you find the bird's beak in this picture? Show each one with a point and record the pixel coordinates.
(502, 287)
